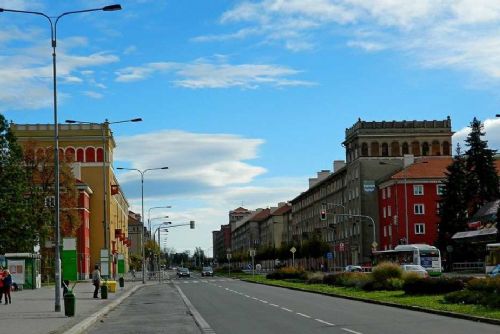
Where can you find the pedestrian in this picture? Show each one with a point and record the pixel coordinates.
(1, 283)
(96, 280)
(7, 285)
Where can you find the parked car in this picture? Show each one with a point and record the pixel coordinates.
(495, 272)
(207, 271)
(183, 272)
(353, 269)
(415, 268)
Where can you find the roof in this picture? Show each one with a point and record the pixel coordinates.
(240, 209)
(476, 233)
(261, 215)
(282, 210)
(488, 209)
(425, 168)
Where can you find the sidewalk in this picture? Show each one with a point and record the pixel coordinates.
(32, 311)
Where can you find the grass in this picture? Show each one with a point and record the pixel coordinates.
(432, 302)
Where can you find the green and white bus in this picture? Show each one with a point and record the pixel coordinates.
(492, 257)
(427, 256)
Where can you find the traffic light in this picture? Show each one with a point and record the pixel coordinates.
(191, 224)
(322, 214)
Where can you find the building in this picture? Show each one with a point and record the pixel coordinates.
(271, 228)
(373, 151)
(89, 150)
(221, 239)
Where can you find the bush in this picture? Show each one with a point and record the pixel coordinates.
(488, 285)
(414, 285)
(385, 271)
(330, 279)
(480, 291)
(315, 278)
(288, 273)
(464, 297)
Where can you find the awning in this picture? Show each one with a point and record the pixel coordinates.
(476, 233)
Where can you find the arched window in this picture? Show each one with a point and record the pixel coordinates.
(425, 149)
(385, 150)
(415, 148)
(79, 155)
(69, 154)
(406, 149)
(89, 154)
(436, 148)
(100, 157)
(395, 149)
(375, 149)
(364, 149)
(446, 148)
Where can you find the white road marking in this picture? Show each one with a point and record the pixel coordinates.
(274, 305)
(264, 301)
(247, 296)
(286, 309)
(255, 298)
(351, 331)
(324, 322)
(303, 315)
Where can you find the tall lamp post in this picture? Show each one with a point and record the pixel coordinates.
(105, 128)
(142, 172)
(149, 213)
(53, 39)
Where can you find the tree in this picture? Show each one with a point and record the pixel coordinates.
(17, 230)
(453, 203)
(482, 178)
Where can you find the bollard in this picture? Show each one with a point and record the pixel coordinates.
(104, 291)
(121, 281)
(69, 304)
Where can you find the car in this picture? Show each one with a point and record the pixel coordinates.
(415, 268)
(353, 269)
(183, 272)
(207, 271)
(495, 272)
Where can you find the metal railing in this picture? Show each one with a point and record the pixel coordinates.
(472, 267)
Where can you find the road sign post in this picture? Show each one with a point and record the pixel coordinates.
(252, 254)
(293, 250)
(229, 260)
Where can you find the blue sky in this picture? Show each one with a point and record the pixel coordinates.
(245, 100)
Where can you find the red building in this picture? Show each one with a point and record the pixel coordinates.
(409, 203)
(83, 232)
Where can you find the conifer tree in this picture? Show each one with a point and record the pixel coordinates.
(17, 231)
(482, 178)
(453, 204)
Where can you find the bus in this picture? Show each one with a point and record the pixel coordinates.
(427, 256)
(492, 257)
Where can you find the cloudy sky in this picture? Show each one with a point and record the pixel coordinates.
(245, 100)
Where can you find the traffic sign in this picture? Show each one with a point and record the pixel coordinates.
(374, 244)
(341, 246)
(228, 255)
(293, 250)
(252, 252)
(329, 255)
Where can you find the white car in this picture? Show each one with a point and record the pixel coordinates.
(415, 268)
(353, 269)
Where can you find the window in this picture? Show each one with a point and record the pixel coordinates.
(383, 193)
(388, 192)
(418, 189)
(420, 228)
(385, 231)
(438, 208)
(389, 211)
(440, 189)
(418, 209)
(385, 212)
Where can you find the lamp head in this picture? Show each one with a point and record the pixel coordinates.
(136, 120)
(111, 8)
(1, 10)
(70, 121)
(164, 168)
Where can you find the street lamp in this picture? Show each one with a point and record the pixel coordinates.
(105, 129)
(142, 172)
(374, 244)
(333, 228)
(156, 207)
(53, 39)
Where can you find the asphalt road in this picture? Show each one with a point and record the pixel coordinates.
(236, 307)
(152, 309)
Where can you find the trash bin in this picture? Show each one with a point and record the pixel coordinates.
(122, 282)
(69, 304)
(104, 291)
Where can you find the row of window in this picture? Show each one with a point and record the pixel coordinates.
(419, 229)
(418, 190)
(418, 209)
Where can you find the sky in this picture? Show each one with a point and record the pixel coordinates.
(246, 100)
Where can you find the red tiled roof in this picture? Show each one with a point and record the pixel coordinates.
(260, 215)
(240, 209)
(282, 210)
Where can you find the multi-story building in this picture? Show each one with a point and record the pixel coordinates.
(271, 229)
(373, 151)
(221, 239)
(89, 149)
(245, 233)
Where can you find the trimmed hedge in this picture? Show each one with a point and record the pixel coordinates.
(431, 286)
(478, 291)
(288, 273)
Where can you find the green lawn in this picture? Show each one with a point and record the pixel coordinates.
(397, 297)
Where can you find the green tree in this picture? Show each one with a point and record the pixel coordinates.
(453, 204)
(482, 178)
(17, 230)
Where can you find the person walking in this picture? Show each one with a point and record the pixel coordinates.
(1, 283)
(96, 280)
(7, 285)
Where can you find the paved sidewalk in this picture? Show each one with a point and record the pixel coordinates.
(32, 311)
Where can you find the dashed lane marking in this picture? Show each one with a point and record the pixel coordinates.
(351, 331)
(274, 305)
(286, 309)
(303, 315)
(324, 322)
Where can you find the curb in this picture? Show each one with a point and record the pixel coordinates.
(90, 320)
(408, 307)
(202, 324)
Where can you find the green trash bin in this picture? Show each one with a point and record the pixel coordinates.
(69, 304)
(104, 291)
(121, 281)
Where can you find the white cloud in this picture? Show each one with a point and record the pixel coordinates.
(214, 160)
(492, 130)
(216, 74)
(93, 95)
(459, 34)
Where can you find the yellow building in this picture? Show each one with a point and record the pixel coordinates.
(90, 147)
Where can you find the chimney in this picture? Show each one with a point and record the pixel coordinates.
(338, 164)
